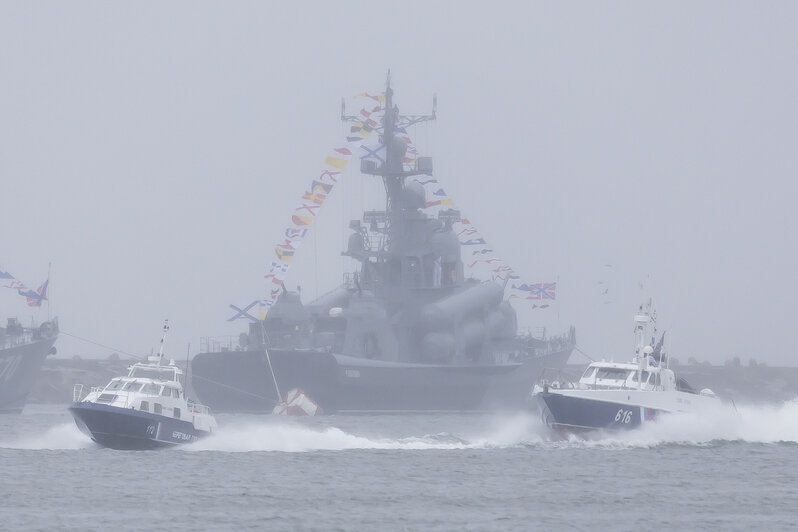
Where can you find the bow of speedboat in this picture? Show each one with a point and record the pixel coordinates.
(580, 412)
(129, 429)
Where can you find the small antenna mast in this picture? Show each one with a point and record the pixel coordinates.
(163, 339)
(185, 388)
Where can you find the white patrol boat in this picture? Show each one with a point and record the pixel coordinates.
(613, 395)
(147, 409)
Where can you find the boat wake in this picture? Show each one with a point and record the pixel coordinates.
(767, 424)
(749, 424)
(763, 424)
(61, 436)
(283, 435)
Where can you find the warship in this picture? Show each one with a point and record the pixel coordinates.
(22, 353)
(406, 331)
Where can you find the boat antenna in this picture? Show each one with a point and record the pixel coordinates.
(185, 388)
(670, 342)
(163, 339)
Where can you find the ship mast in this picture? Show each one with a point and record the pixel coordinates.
(392, 171)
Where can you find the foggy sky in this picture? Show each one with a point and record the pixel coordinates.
(153, 153)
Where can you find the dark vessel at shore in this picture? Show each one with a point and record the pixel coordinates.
(22, 353)
(407, 331)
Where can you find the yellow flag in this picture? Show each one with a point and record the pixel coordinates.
(336, 162)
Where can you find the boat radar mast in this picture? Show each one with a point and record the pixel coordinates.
(157, 358)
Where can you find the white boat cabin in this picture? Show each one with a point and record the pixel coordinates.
(626, 376)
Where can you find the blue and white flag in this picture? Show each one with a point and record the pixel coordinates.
(375, 152)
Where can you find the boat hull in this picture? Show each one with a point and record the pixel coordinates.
(579, 414)
(128, 429)
(241, 381)
(19, 369)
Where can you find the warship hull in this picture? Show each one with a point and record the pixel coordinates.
(240, 381)
(19, 368)
(420, 333)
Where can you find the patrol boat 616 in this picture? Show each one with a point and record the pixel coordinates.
(147, 409)
(613, 395)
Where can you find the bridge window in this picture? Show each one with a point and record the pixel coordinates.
(114, 385)
(145, 406)
(151, 389)
(161, 374)
(177, 413)
(613, 373)
(132, 386)
(157, 408)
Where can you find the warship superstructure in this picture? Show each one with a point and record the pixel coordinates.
(406, 331)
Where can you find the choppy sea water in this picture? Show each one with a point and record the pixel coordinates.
(734, 470)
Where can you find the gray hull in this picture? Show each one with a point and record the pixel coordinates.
(240, 381)
(19, 368)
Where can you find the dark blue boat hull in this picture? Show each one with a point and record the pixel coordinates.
(577, 414)
(128, 429)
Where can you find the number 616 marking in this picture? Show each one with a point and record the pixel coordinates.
(623, 416)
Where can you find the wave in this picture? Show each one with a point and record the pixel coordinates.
(764, 424)
(61, 436)
(751, 424)
(286, 435)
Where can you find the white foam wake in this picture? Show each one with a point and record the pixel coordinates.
(745, 423)
(753, 424)
(61, 436)
(280, 434)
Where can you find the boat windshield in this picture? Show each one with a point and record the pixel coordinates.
(114, 385)
(160, 374)
(589, 372)
(151, 389)
(132, 386)
(618, 374)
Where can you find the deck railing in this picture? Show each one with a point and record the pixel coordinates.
(196, 408)
(215, 344)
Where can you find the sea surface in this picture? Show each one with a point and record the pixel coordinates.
(733, 470)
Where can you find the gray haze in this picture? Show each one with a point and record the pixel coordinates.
(153, 152)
